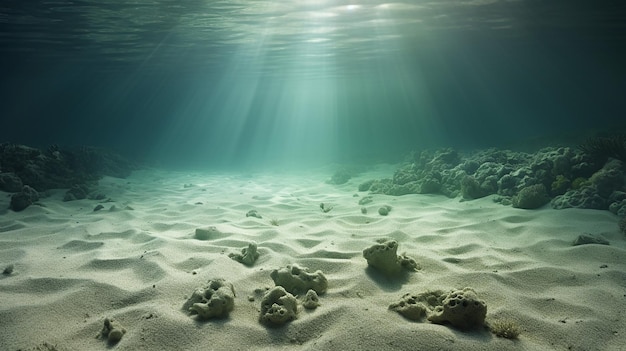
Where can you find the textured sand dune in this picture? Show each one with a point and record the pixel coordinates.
(138, 263)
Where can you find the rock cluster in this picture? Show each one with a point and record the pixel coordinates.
(565, 177)
(460, 308)
(54, 168)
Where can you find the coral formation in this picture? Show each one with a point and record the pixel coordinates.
(296, 279)
(311, 300)
(10, 182)
(76, 192)
(23, 199)
(112, 331)
(618, 203)
(216, 299)
(461, 308)
(571, 177)
(383, 257)
(560, 185)
(278, 307)
(248, 255)
(605, 189)
(416, 306)
(57, 168)
(601, 148)
(531, 197)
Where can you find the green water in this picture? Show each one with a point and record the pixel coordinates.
(238, 83)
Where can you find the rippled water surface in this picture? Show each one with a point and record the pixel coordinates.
(322, 35)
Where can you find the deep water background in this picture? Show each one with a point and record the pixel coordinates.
(466, 89)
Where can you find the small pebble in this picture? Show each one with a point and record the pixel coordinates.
(8, 270)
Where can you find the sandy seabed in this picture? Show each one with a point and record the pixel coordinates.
(138, 263)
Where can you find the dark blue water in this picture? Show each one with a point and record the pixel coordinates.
(232, 83)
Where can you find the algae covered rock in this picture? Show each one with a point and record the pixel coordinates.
(531, 197)
(384, 210)
(23, 199)
(216, 299)
(384, 258)
(461, 308)
(248, 255)
(416, 306)
(278, 307)
(296, 279)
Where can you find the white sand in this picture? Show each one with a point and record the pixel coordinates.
(74, 267)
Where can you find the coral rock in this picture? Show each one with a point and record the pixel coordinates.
(460, 308)
(296, 279)
(278, 307)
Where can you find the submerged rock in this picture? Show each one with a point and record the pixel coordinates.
(24, 198)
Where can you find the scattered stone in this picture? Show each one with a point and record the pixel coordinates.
(366, 200)
(364, 210)
(311, 300)
(366, 185)
(278, 307)
(8, 270)
(248, 255)
(216, 299)
(460, 308)
(98, 208)
(296, 279)
(254, 213)
(383, 211)
(10, 182)
(588, 238)
(325, 207)
(415, 307)
(112, 331)
(76, 192)
(97, 196)
(23, 199)
(531, 197)
(384, 257)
